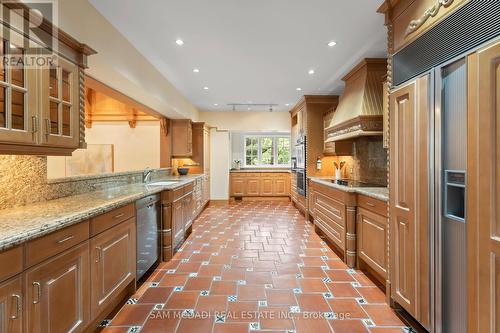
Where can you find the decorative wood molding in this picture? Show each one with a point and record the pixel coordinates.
(360, 123)
(430, 12)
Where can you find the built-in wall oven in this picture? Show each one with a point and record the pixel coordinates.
(300, 169)
(301, 181)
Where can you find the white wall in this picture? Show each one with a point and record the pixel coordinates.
(248, 121)
(119, 64)
(219, 164)
(134, 148)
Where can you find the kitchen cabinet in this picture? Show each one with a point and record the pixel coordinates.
(182, 138)
(264, 184)
(113, 258)
(372, 236)
(409, 223)
(58, 293)
(179, 212)
(482, 181)
(60, 107)
(11, 305)
(41, 108)
(334, 213)
(206, 189)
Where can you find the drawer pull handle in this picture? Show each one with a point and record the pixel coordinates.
(371, 204)
(17, 299)
(65, 239)
(118, 216)
(98, 254)
(38, 293)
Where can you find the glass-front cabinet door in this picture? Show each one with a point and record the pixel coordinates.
(18, 122)
(60, 105)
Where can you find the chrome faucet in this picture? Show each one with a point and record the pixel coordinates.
(146, 175)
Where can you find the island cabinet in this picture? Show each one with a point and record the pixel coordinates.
(70, 279)
(372, 232)
(260, 184)
(41, 107)
(334, 213)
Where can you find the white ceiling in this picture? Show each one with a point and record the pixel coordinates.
(256, 51)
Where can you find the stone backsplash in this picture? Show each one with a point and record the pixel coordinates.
(368, 162)
(23, 180)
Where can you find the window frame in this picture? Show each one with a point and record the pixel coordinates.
(260, 137)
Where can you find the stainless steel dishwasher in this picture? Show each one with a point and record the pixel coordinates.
(148, 233)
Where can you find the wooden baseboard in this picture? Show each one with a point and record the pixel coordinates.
(218, 202)
(282, 199)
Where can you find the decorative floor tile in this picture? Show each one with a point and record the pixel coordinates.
(256, 257)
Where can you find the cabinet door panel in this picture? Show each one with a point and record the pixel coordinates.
(177, 221)
(409, 177)
(280, 187)
(266, 186)
(237, 186)
(113, 257)
(372, 240)
(11, 307)
(60, 105)
(57, 293)
(402, 199)
(483, 170)
(252, 186)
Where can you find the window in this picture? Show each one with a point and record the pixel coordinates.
(266, 150)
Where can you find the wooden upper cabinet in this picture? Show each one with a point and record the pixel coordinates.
(60, 105)
(412, 18)
(18, 98)
(483, 168)
(57, 293)
(40, 107)
(11, 306)
(113, 264)
(182, 138)
(409, 155)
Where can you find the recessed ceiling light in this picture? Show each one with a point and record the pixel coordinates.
(216, 104)
(311, 72)
(332, 43)
(179, 42)
(196, 70)
(299, 89)
(287, 104)
(205, 88)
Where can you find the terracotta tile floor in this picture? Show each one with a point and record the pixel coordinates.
(256, 266)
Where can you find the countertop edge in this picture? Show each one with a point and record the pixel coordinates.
(72, 219)
(359, 190)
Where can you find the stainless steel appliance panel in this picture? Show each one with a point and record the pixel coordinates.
(452, 219)
(148, 233)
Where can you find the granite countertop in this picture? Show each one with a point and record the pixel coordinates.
(380, 193)
(20, 224)
(260, 170)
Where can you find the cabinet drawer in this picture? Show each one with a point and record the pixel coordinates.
(374, 205)
(12, 262)
(188, 188)
(105, 221)
(335, 232)
(334, 210)
(42, 248)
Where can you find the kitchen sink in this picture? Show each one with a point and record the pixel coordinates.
(164, 183)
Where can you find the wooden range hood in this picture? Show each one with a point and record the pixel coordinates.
(360, 111)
